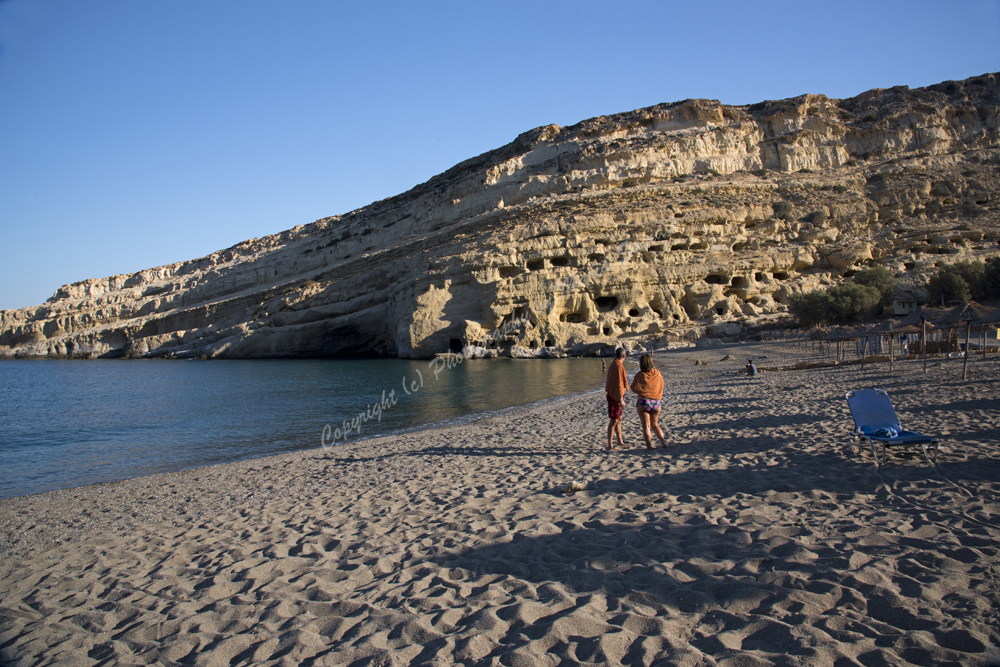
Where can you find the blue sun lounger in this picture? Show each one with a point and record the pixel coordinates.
(875, 421)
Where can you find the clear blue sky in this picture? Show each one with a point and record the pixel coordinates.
(140, 133)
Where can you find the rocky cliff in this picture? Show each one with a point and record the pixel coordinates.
(656, 223)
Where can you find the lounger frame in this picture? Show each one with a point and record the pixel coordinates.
(909, 441)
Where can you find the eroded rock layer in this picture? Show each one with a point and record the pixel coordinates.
(655, 223)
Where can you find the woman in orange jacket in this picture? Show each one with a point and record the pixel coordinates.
(648, 385)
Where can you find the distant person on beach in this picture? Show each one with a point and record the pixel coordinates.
(751, 368)
(616, 386)
(648, 386)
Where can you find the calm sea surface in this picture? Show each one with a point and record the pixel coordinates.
(69, 423)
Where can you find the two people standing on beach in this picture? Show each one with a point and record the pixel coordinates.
(648, 386)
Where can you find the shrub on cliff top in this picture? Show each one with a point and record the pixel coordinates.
(783, 210)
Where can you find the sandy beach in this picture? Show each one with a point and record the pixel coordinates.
(759, 537)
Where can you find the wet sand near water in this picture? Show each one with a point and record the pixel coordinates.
(759, 537)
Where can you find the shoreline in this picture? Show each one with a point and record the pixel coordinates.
(435, 405)
(470, 417)
(759, 535)
(108, 491)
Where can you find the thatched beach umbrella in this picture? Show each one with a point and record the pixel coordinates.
(888, 328)
(920, 318)
(816, 334)
(983, 326)
(989, 321)
(967, 313)
(841, 334)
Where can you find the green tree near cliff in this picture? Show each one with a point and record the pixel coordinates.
(852, 302)
(811, 308)
(883, 280)
(990, 285)
(843, 304)
(965, 280)
(947, 286)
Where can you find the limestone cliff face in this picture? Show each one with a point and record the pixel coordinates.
(647, 224)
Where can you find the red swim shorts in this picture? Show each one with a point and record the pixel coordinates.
(615, 409)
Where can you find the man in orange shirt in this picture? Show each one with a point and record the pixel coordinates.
(616, 386)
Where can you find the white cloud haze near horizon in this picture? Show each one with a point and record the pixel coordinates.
(134, 135)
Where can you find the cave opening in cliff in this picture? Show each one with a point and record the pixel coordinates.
(550, 343)
(716, 279)
(607, 331)
(779, 275)
(606, 303)
(739, 282)
(455, 345)
(633, 312)
(536, 264)
(559, 261)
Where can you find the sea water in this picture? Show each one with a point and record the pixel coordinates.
(66, 423)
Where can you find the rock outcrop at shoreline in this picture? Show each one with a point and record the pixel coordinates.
(678, 218)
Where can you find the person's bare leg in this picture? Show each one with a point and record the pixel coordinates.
(644, 422)
(611, 430)
(655, 418)
(618, 430)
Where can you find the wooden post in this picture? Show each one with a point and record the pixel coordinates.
(965, 363)
(923, 339)
(891, 355)
(864, 352)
